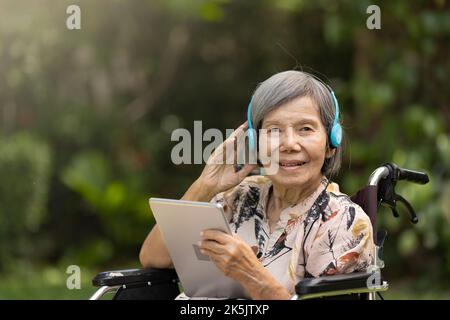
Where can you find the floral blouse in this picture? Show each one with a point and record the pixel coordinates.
(325, 234)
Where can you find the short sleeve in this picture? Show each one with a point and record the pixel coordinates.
(343, 244)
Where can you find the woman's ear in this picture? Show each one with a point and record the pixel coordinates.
(330, 152)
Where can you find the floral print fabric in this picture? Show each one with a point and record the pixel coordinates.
(325, 234)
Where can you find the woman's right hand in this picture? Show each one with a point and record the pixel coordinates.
(219, 173)
(217, 176)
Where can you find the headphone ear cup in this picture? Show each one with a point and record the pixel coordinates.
(336, 135)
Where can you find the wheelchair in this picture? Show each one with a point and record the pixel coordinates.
(162, 284)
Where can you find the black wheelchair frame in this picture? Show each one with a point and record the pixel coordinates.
(162, 284)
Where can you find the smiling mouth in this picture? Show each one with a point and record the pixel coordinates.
(291, 164)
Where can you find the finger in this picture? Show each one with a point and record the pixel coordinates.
(235, 148)
(245, 171)
(239, 130)
(216, 157)
(231, 150)
(217, 259)
(226, 153)
(216, 235)
(230, 144)
(212, 246)
(243, 126)
(241, 150)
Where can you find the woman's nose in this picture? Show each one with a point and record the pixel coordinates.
(289, 141)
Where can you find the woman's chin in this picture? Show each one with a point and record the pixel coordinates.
(290, 179)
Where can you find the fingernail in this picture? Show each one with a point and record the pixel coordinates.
(199, 243)
(201, 234)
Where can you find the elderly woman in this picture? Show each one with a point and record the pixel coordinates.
(293, 223)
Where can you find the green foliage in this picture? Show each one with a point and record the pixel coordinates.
(122, 205)
(103, 100)
(25, 164)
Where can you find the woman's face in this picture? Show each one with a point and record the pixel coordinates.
(301, 143)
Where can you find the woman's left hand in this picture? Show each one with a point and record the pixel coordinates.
(237, 260)
(230, 254)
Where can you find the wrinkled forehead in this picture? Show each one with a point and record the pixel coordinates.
(299, 110)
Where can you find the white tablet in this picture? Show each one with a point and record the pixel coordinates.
(180, 223)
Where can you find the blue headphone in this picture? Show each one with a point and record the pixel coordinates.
(335, 132)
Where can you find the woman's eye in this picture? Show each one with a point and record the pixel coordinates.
(274, 130)
(305, 129)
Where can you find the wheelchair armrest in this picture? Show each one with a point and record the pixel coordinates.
(135, 276)
(336, 283)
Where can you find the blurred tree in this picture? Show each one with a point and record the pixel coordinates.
(105, 99)
(25, 164)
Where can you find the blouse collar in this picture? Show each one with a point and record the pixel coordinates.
(295, 210)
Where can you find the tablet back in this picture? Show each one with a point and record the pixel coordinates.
(180, 223)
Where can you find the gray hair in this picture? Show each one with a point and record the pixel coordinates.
(288, 85)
